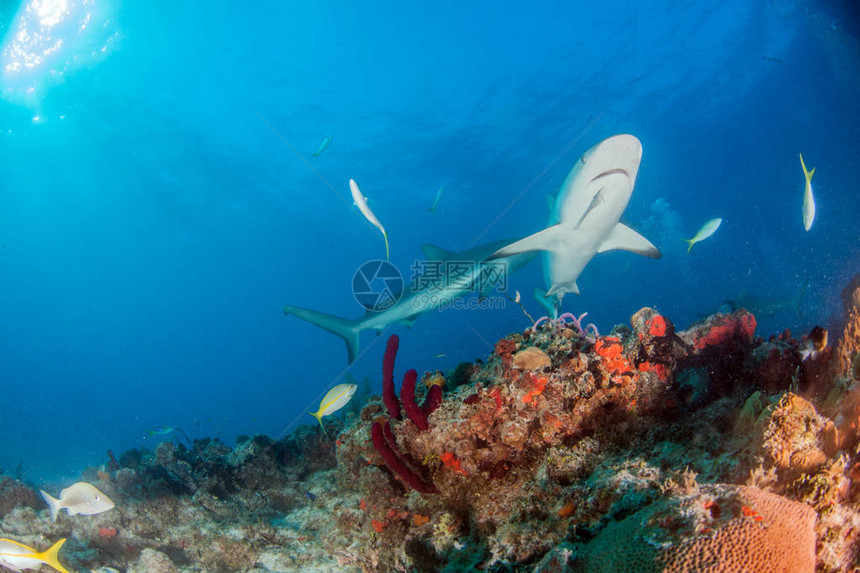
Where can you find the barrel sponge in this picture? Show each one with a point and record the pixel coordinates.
(753, 531)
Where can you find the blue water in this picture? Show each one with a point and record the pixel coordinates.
(159, 202)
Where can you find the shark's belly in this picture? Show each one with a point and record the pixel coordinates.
(564, 266)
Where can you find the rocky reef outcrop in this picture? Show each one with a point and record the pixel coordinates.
(647, 449)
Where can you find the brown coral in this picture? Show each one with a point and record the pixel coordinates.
(531, 358)
(793, 437)
(754, 531)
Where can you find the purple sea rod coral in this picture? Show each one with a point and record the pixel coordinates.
(418, 414)
(385, 444)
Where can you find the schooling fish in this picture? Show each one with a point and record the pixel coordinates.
(80, 498)
(439, 194)
(323, 145)
(361, 202)
(808, 200)
(708, 229)
(334, 400)
(19, 557)
(813, 344)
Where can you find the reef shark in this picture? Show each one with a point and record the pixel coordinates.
(766, 307)
(586, 216)
(429, 291)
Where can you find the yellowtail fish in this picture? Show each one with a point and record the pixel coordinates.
(80, 498)
(334, 400)
(808, 199)
(708, 229)
(439, 194)
(19, 557)
(323, 145)
(361, 202)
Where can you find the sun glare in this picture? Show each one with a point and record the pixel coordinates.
(48, 38)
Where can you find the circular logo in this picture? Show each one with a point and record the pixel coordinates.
(377, 285)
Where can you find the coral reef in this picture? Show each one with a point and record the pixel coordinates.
(848, 345)
(645, 449)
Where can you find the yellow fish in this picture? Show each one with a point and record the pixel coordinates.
(808, 200)
(18, 557)
(709, 228)
(334, 400)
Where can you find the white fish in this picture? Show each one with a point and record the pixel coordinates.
(361, 202)
(323, 145)
(708, 229)
(19, 557)
(808, 200)
(78, 499)
(334, 400)
(439, 194)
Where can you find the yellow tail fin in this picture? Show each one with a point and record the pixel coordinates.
(51, 554)
(385, 236)
(690, 243)
(319, 419)
(807, 174)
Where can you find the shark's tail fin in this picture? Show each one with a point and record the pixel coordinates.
(343, 327)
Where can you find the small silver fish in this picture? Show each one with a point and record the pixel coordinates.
(808, 199)
(361, 202)
(323, 145)
(439, 194)
(78, 499)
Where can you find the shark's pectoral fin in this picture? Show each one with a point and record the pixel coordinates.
(546, 240)
(434, 253)
(623, 238)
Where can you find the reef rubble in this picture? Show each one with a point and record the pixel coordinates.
(646, 449)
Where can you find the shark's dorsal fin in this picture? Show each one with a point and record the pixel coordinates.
(623, 238)
(434, 253)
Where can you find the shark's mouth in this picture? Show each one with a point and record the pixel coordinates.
(611, 172)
